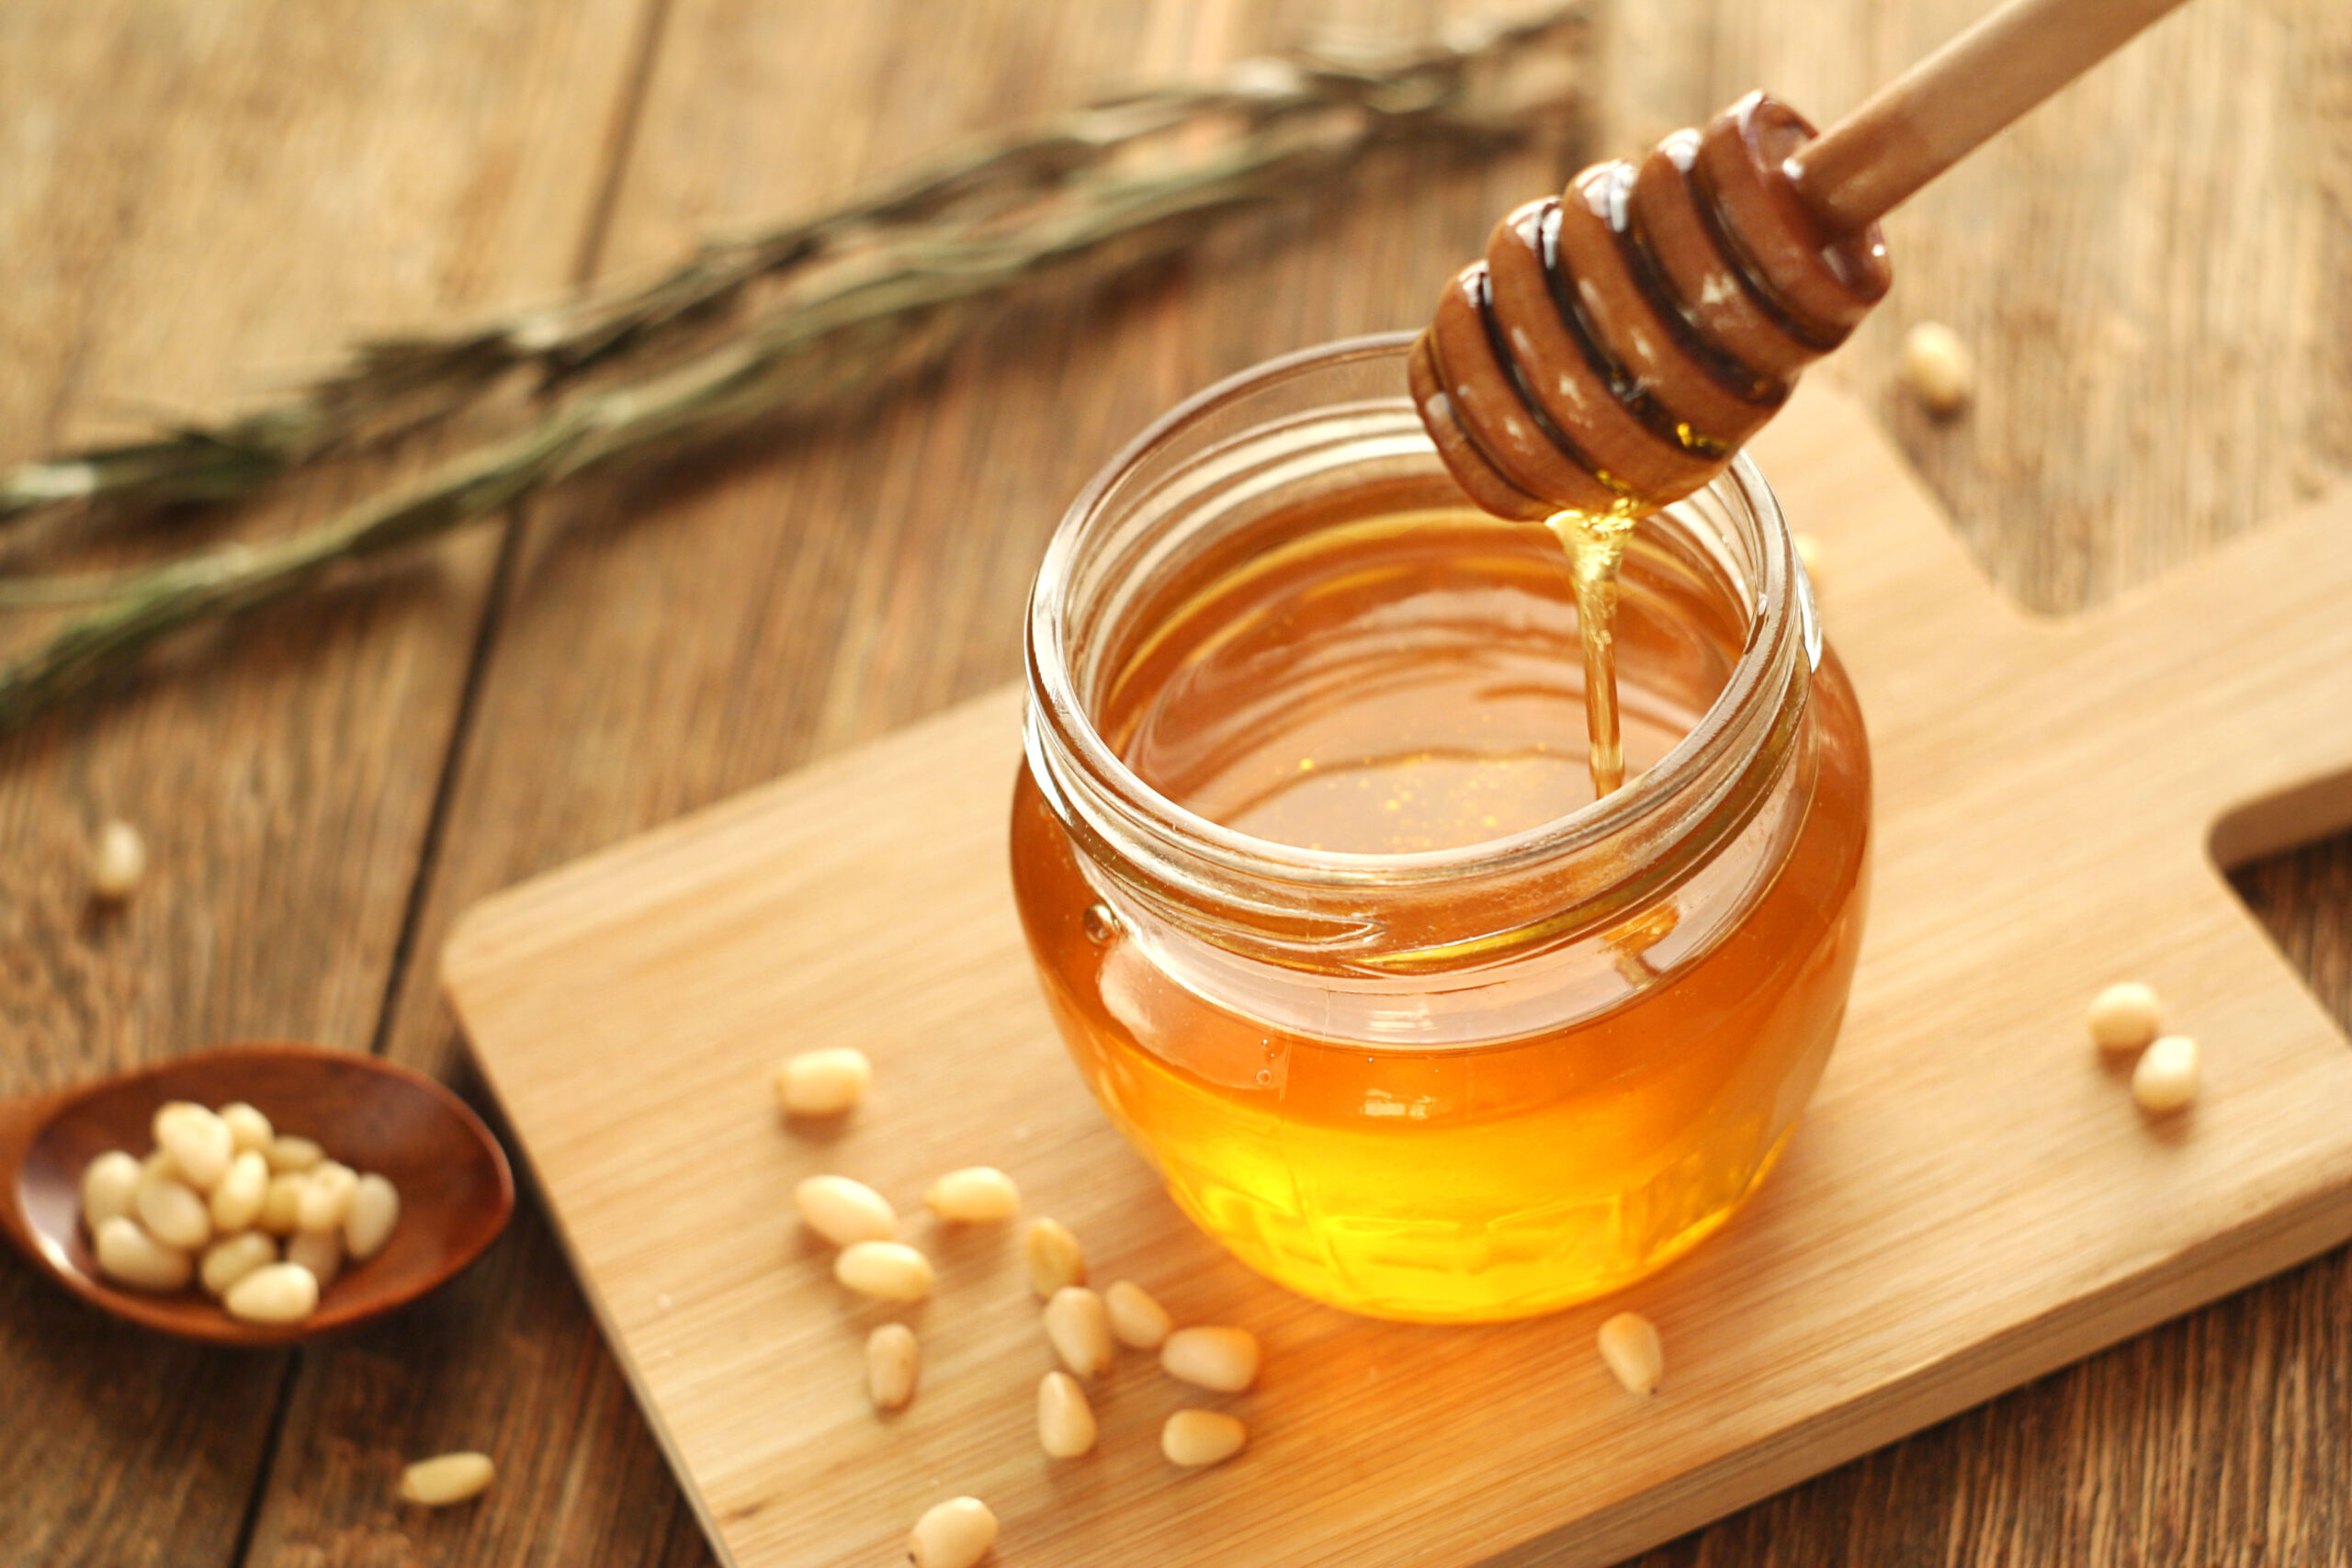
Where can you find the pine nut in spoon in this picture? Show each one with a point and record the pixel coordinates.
(378, 1116)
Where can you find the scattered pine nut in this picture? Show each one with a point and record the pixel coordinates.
(974, 1195)
(1056, 1260)
(2125, 1016)
(128, 1256)
(889, 1270)
(1137, 1321)
(443, 1479)
(233, 1257)
(1225, 1359)
(844, 1212)
(375, 1210)
(327, 1190)
(823, 1083)
(1193, 1437)
(286, 1153)
(109, 1186)
(1066, 1425)
(1809, 554)
(2166, 1079)
(892, 1358)
(281, 1203)
(173, 1213)
(248, 1128)
(197, 1141)
(954, 1534)
(1938, 368)
(236, 1201)
(321, 1252)
(1079, 1330)
(275, 1292)
(117, 862)
(1630, 1345)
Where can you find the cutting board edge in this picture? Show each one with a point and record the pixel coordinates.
(2294, 1231)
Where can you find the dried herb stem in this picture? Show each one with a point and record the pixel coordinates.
(889, 306)
(393, 385)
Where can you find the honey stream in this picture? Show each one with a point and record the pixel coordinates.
(1595, 545)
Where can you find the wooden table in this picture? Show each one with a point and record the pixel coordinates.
(198, 197)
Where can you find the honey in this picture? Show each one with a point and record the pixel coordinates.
(1311, 854)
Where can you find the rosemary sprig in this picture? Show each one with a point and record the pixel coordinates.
(391, 385)
(887, 307)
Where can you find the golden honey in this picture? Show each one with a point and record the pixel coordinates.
(1309, 857)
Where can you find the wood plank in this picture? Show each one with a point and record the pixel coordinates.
(194, 199)
(842, 580)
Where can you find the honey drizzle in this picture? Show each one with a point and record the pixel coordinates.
(1595, 545)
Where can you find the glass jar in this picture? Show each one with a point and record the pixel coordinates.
(1405, 1022)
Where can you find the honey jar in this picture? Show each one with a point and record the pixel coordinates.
(1306, 849)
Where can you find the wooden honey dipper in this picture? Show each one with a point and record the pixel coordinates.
(1620, 343)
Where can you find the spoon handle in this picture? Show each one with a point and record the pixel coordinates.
(1938, 111)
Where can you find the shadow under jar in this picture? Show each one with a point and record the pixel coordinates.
(1307, 854)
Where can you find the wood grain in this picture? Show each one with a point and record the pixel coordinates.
(1972, 1200)
(193, 198)
(2149, 271)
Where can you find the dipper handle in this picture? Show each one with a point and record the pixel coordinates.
(1951, 103)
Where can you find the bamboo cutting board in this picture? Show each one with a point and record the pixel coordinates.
(1972, 1200)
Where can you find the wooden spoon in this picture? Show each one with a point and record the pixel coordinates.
(457, 1190)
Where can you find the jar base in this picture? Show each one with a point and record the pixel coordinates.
(1505, 1291)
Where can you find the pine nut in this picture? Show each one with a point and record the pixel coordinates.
(375, 1210)
(197, 1141)
(1079, 1330)
(128, 1256)
(281, 1203)
(275, 1292)
(823, 1083)
(1056, 1260)
(233, 1257)
(1223, 1359)
(173, 1213)
(1630, 1345)
(327, 1190)
(286, 1153)
(248, 1128)
(843, 1211)
(443, 1479)
(236, 1202)
(321, 1252)
(954, 1534)
(974, 1195)
(1194, 1437)
(1810, 555)
(1938, 368)
(109, 1186)
(889, 1270)
(892, 1358)
(2125, 1016)
(1065, 1420)
(2167, 1078)
(117, 862)
(1137, 1321)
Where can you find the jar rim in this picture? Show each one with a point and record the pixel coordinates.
(1782, 610)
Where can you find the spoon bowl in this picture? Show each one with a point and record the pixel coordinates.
(457, 1190)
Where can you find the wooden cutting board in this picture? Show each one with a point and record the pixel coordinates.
(1972, 1200)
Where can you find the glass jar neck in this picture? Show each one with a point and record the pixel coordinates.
(1334, 417)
